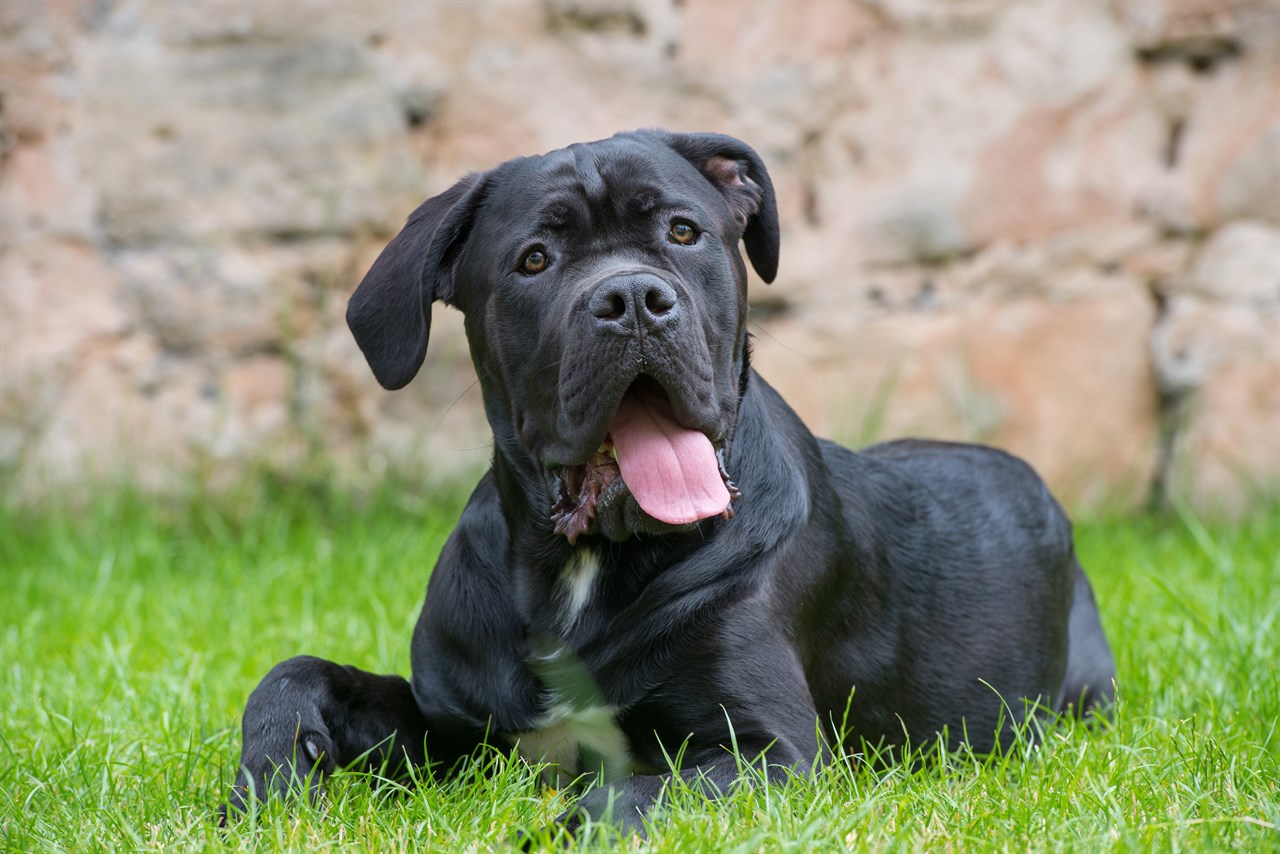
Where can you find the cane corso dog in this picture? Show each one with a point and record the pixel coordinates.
(664, 572)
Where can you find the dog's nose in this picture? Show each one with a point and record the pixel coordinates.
(625, 304)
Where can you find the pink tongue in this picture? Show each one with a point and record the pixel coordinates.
(672, 472)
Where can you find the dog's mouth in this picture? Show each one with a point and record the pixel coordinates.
(676, 475)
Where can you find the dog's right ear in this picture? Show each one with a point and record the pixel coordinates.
(390, 312)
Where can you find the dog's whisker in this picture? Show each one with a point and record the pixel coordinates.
(765, 332)
(450, 407)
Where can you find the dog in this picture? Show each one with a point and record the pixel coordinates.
(662, 560)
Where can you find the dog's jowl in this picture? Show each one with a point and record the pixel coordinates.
(662, 560)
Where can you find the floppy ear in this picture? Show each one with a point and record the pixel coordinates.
(390, 313)
(739, 174)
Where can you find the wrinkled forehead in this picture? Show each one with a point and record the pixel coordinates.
(621, 177)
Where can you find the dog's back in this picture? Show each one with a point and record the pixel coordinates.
(964, 543)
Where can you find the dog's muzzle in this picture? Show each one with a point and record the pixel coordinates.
(676, 475)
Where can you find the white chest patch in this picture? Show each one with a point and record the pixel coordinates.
(584, 741)
(577, 581)
(579, 734)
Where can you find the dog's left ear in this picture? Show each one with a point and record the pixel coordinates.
(390, 313)
(739, 174)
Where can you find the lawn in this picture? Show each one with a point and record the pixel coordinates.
(131, 632)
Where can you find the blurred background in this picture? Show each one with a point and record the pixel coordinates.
(1048, 225)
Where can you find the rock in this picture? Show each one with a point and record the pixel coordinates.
(231, 301)
(971, 18)
(918, 223)
(1251, 187)
(1220, 156)
(230, 140)
(44, 196)
(1226, 455)
(66, 296)
(1240, 263)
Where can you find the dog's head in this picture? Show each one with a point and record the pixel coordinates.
(605, 305)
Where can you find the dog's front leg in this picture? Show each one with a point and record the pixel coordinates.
(625, 803)
(758, 723)
(309, 717)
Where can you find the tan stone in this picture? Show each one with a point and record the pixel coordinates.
(1221, 160)
(258, 391)
(968, 17)
(56, 298)
(36, 41)
(1250, 189)
(1076, 382)
(281, 139)
(1240, 263)
(1159, 260)
(720, 44)
(230, 300)
(42, 195)
(1190, 23)
(1229, 454)
(1064, 168)
(99, 428)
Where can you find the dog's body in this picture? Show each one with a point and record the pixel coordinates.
(610, 599)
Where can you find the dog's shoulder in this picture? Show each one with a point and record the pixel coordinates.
(476, 551)
(482, 522)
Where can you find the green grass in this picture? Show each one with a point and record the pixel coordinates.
(132, 631)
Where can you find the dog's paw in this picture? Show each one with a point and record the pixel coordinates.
(612, 807)
(294, 763)
(287, 744)
(593, 819)
(284, 765)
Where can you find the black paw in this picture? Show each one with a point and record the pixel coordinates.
(290, 764)
(293, 763)
(610, 809)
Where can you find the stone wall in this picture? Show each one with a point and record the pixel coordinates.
(1051, 225)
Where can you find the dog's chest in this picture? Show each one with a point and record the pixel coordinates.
(579, 733)
(572, 742)
(576, 586)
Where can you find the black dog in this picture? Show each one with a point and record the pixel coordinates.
(610, 598)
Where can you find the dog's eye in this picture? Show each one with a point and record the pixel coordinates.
(683, 233)
(534, 261)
